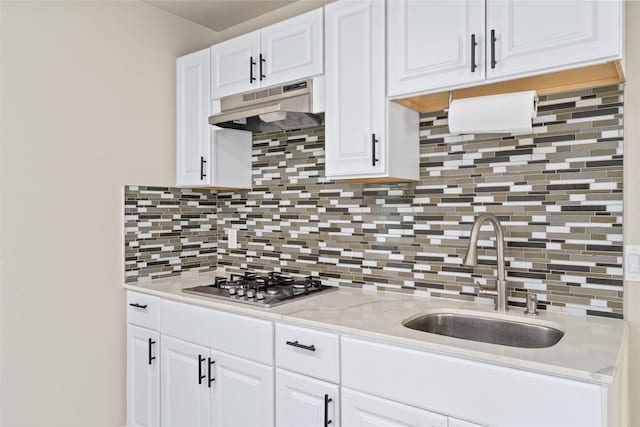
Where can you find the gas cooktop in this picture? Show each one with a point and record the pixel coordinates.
(264, 291)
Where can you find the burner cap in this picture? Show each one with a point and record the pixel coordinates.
(273, 291)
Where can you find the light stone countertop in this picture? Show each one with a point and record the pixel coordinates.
(590, 350)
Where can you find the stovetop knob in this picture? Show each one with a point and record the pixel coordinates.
(251, 293)
(260, 295)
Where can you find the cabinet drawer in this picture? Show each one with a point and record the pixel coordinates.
(485, 393)
(307, 351)
(143, 310)
(231, 333)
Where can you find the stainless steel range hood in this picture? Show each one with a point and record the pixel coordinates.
(273, 109)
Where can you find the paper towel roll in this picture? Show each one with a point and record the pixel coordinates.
(504, 113)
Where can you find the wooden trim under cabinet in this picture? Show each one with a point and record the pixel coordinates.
(373, 180)
(544, 84)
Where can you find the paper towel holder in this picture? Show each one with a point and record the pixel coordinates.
(510, 112)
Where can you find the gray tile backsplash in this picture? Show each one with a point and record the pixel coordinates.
(558, 192)
(168, 231)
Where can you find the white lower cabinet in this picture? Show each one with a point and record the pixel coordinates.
(211, 368)
(471, 390)
(362, 410)
(204, 387)
(306, 402)
(242, 392)
(186, 397)
(143, 377)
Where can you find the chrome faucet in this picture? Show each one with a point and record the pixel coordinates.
(471, 259)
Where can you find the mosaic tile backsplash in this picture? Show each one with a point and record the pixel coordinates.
(557, 191)
(168, 231)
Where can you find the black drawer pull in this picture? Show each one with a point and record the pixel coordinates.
(305, 347)
(200, 376)
(251, 64)
(136, 305)
(493, 49)
(210, 378)
(262, 61)
(327, 400)
(151, 358)
(202, 162)
(473, 53)
(374, 160)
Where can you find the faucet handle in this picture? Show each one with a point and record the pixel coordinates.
(487, 290)
(532, 305)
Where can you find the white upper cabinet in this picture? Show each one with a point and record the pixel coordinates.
(533, 36)
(434, 44)
(437, 45)
(292, 49)
(359, 120)
(235, 65)
(354, 80)
(193, 130)
(206, 156)
(286, 51)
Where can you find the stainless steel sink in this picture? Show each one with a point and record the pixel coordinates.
(486, 329)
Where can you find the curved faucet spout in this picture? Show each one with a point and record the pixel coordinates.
(471, 258)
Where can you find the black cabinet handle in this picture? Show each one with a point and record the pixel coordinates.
(200, 376)
(374, 160)
(493, 49)
(298, 345)
(473, 53)
(251, 64)
(136, 305)
(202, 163)
(209, 377)
(262, 60)
(327, 399)
(151, 358)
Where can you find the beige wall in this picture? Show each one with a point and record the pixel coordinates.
(632, 198)
(88, 104)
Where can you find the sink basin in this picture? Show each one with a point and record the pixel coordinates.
(486, 329)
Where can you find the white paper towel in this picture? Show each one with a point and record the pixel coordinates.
(504, 113)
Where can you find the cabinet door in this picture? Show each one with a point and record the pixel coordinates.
(185, 393)
(355, 99)
(300, 401)
(362, 410)
(143, 377)
(234, 65)
(192, 107)
(534, 36)
(292, 49)
(430, 44)
(242, 393)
